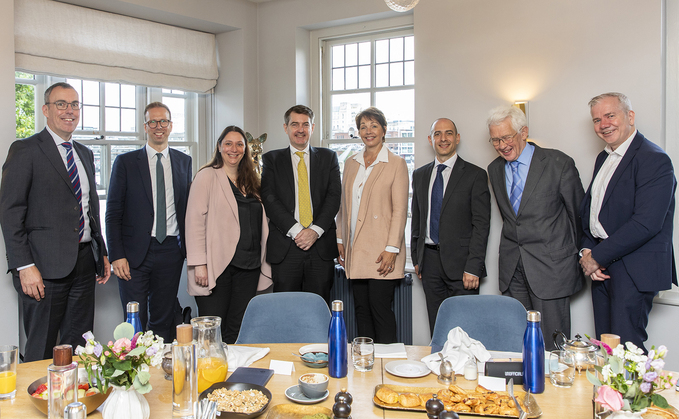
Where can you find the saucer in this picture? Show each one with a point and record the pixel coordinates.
(295, 394)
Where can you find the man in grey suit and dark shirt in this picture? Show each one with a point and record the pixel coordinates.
(538, 192)
(450, 221)
(49, 212)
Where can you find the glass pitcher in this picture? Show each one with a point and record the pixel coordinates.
(211, 354)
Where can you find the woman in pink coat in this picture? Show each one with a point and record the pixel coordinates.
(226, 232)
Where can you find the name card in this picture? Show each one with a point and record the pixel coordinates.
(282, 367)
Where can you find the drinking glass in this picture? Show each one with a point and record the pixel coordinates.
(561, 368)
(363, 354)
(8, 371)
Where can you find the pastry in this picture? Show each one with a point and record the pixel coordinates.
(387, 395)
(409, 400)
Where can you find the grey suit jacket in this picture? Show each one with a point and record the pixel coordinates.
(464, 222)
(546, 232)
(39, 212)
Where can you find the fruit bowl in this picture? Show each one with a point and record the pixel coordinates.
(92, 402)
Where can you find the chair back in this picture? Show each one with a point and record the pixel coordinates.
(497, 321)
(285, 317)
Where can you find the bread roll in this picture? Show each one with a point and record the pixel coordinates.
(409, 400)
(387, 395)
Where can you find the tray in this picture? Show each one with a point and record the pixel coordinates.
(534, 410)
(295, 411)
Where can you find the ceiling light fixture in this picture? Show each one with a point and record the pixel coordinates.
(401, 5)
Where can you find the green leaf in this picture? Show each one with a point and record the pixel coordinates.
(659, 401)
(593, 378)
(139, 350)
(616, 364)
(125, 365)
(123, 330)
(117, 373)
(140, 387)
(143, 377)
(632, 390)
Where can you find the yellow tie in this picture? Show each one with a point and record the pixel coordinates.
(305, 216)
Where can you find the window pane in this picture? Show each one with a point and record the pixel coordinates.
(184, 149)
(409, 48)
(396, 74)
(90, 94)
(338, 79)
(128, 96)
(112, 119)
(382, 75)
(176, 106)
(98, 151)
(344, 151)
(352, 78)
(396, 49)
(364, 53)
(382, 51)
(399, 109)
(20, 75)
(364, 77)
(338, 56)
(112, 94)
(117, 150)
(128, 122)
(409, 76)
(351, 53)
(24, 96)
(344, 110)
(89, 117)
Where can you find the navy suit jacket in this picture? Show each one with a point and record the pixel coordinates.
(637, 213)
(278, 197)
(129, 208)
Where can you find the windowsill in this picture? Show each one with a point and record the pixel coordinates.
(669, 297)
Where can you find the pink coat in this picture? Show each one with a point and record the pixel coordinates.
(213, 230)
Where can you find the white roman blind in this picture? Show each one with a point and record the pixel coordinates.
(62, 39)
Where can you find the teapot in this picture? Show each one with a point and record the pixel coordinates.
(584, 353)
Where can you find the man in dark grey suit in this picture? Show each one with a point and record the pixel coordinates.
(49, 213)
(538, 192)
(450, 221)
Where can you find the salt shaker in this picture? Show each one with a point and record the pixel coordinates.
(434, 407)
(447, 374)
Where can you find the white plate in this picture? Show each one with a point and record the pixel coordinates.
(315, 347)
(407, 368)
(295, 394)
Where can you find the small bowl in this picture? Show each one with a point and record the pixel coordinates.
(92, 402)
(239, 387)
(313, 385)
(315, 364)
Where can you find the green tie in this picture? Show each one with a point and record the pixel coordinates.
(161, 218)
(305, 216)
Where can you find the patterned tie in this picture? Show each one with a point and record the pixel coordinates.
(305, 216)
(436, 202)
(517, 187)
(75, 181)
(161, 206)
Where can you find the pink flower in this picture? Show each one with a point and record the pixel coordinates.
(107, 353)
(609, 398)
(134, 340)
(601, 344)
(122, 344)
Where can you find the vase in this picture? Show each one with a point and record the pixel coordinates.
(627, 414)
(125, 404)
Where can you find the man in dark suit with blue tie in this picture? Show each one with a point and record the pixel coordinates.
(49, 213)
(301, 193)
(627, 217)
(145, 215)
(450, 221)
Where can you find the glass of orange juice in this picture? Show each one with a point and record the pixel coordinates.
(8, 371)
(212, 364)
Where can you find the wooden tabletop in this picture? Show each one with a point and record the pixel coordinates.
(574, 402)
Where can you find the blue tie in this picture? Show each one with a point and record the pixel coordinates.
(517, 187)
(75, 181)
(436, 201)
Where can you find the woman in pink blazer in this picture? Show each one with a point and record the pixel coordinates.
(226, 231)
(371, 224)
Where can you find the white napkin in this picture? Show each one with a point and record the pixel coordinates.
(390, 350)
(457, 349)
(244, 356)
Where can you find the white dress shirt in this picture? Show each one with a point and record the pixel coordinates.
(603, 177)
(170, 213)
(298, 227)
(446, 176)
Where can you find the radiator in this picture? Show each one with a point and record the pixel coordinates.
(402, 306)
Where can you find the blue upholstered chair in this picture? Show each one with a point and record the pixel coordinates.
(285, 317)
(494, 320)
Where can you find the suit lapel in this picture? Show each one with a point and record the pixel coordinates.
(455, 177)
(177, 176)
(84, 158)
(49, 147)
(367, 190)
(225, 185)
(537, 166)
(314, 168)
(145, 172)
(496, 171)
(288, 177)
(626, 160)
(423, 185)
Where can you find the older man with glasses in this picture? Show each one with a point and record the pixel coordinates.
(538, 192)
(145, 214)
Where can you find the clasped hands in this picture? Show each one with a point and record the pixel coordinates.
(591, 267)
(385, 259)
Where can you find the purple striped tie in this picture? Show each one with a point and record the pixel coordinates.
(75, 181)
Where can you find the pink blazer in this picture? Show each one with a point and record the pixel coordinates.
(213, 230)
(381, 218)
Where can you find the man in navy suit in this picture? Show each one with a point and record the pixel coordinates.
(145, 215)
(627, 218)
(302, 240)
(49, 212)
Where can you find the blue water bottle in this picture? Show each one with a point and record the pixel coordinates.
(533, 355)
(133, 316)
(337, 342)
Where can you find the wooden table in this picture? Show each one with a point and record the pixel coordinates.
(574, 402)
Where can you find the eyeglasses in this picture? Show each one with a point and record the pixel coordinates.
(506, 139)
(163, 123)
(62, 105)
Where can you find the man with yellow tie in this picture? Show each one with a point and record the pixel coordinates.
(301, 192)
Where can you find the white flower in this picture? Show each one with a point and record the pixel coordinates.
(606, 372)
(619, 351)
(89, 349)
(641, 368)
(157, 359)
(144, 368)
(79, 350)
(633, 348)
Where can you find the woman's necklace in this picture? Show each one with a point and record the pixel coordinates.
(369, 160)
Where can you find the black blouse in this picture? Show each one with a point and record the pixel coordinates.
(249, 250)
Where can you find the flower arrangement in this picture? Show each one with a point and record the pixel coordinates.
(122, 363)
(631, 380)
